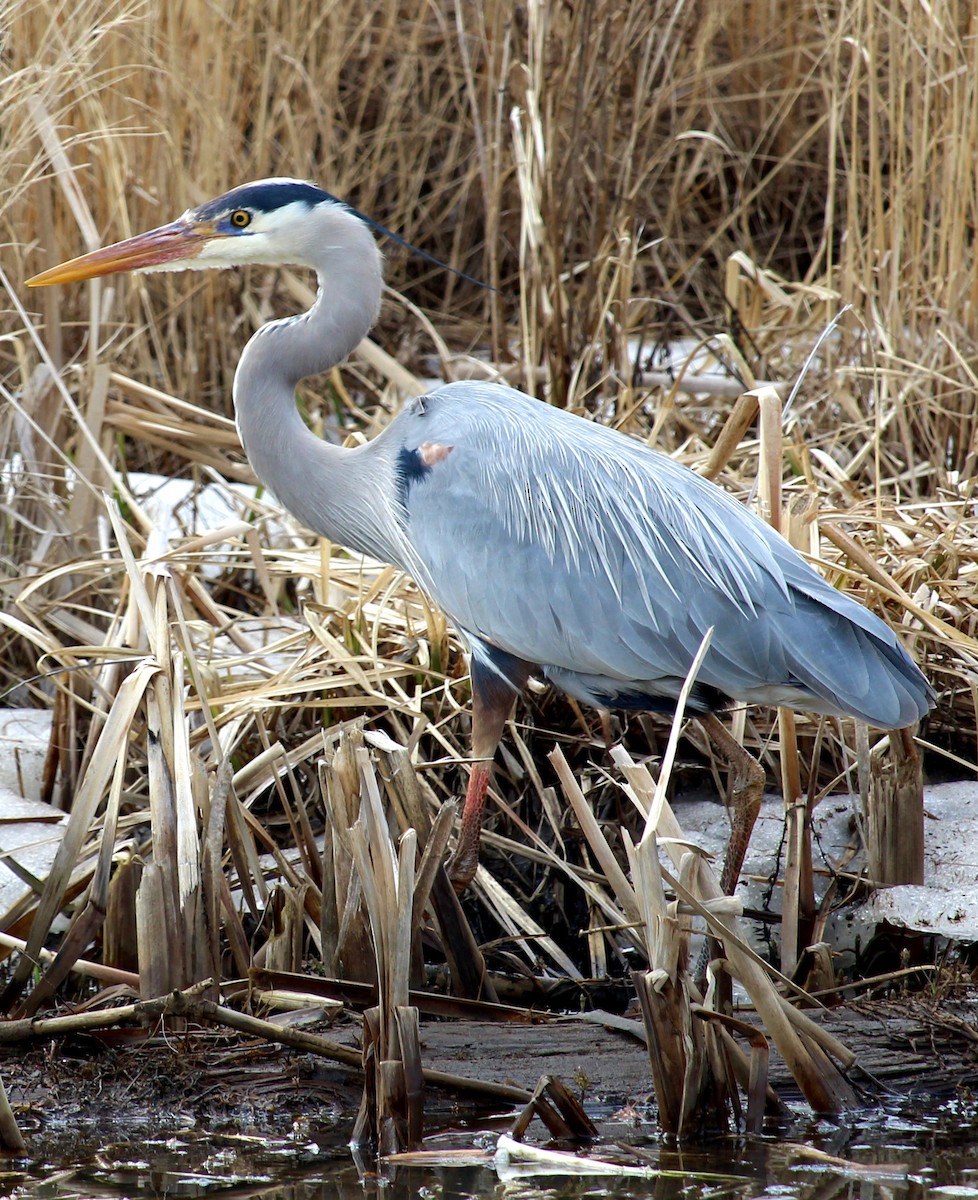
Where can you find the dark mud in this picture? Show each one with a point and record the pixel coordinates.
(907, 1046)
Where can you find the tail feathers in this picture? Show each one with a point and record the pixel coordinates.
(852, 662)
(870, 678)
(858, 674)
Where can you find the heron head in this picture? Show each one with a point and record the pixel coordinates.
(267, 222)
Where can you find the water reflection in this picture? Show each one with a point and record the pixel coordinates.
(904, 1151)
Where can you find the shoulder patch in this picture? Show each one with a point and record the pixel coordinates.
(433, 452)
(414, 466)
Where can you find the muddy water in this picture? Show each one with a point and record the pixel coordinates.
(906, 1150)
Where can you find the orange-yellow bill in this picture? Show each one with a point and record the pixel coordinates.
(174, 243)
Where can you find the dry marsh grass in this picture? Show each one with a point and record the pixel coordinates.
(621, 174)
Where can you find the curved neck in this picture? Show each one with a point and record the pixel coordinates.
(286, 351)
(332, 491)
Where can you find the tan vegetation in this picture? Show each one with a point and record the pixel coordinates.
(749, 176)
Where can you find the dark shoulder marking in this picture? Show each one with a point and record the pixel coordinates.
(415, 465)
(411, 469)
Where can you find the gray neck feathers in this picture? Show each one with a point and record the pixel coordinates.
(332, 491)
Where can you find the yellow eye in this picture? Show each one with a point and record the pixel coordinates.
(241, 218)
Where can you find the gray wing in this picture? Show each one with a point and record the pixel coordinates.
(567, 545)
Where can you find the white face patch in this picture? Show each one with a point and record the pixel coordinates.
(225, 252)
(272, 238)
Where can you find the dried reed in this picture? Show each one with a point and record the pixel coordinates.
(751, 170)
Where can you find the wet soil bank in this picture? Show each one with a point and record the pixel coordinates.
(909, 1046)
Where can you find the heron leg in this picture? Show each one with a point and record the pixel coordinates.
(493, 695)
(464, 862)
(746, 792)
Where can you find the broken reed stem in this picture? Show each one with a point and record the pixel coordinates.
(562, 1113)
(736, 425)
(11, 1139)
(391, 1114)
(81, 966)
(770, 469)
(798, 893)
(687, 1085)
(895, 813)
(823, 1086)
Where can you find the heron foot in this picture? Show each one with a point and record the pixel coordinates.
(462, 866)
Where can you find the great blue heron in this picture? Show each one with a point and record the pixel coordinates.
(557, 546)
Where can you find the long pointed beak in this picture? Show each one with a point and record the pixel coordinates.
(166, 247)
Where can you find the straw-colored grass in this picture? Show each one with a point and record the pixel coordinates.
(622, 175)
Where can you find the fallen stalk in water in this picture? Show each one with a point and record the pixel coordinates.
(190, 1004)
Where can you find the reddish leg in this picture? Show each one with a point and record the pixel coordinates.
(465, 860)
(493, 696)
(746, 792)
